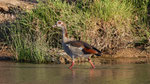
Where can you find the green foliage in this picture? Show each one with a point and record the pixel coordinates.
(141, 21)
(141, 10)
(116, 9)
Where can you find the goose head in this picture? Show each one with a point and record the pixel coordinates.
(59, 24)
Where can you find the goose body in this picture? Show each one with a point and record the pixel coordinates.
(76, 48)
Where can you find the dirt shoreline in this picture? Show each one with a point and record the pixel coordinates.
(122, 56)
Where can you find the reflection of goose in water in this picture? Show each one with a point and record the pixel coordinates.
(76, 48)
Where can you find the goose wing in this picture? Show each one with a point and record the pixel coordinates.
(83, 47)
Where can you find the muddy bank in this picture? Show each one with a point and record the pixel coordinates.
(122, 56)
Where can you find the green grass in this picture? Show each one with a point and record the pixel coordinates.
(106, 24)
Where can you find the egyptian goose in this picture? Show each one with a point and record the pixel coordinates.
(76, 48)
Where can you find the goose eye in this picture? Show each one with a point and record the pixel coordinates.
(59, 22)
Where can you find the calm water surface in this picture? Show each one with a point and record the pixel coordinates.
(16, 73)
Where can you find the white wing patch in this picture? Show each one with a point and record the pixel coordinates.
(80, 48)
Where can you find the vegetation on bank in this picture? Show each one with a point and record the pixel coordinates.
(106, 24)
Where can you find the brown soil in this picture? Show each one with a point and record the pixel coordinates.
(5, 52)
(9, 7)
(128, 55)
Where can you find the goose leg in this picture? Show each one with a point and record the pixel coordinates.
(91, 63)
(72, 64)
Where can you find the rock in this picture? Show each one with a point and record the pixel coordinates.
(61, 60)
(10, 8)
(3, 7)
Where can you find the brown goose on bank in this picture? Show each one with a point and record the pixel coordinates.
(76, 48)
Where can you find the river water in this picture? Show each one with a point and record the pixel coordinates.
(20, 73)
